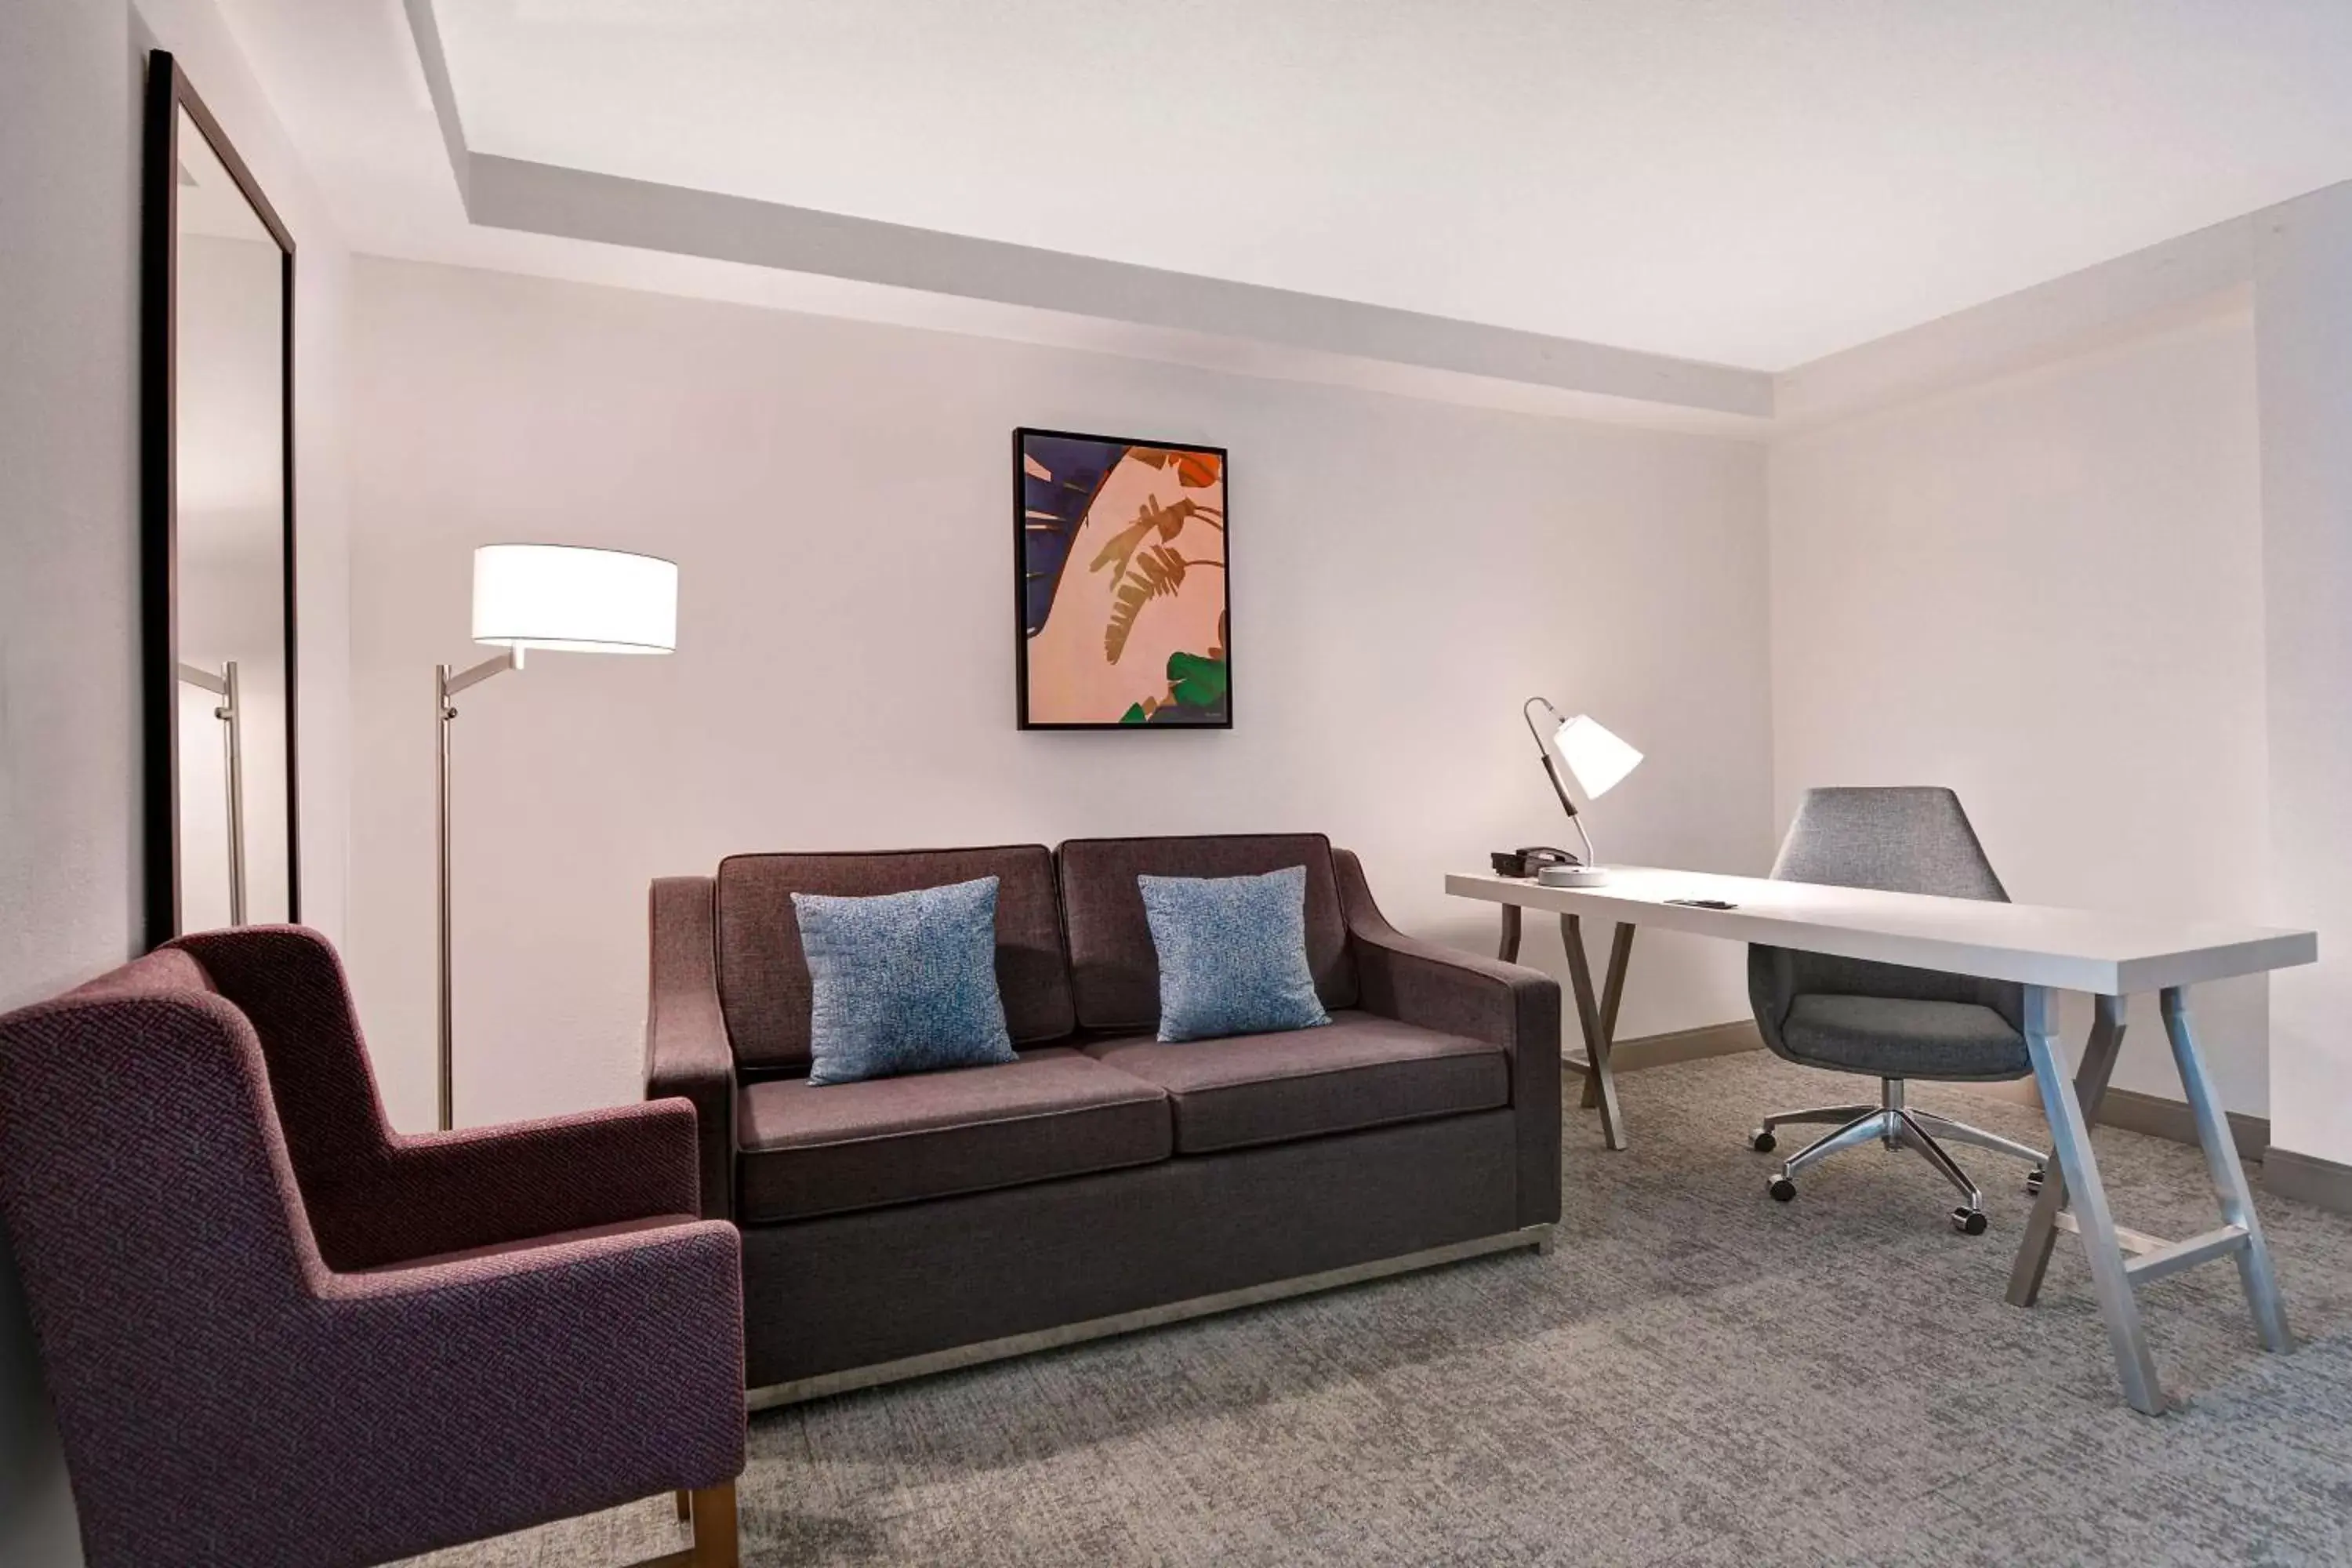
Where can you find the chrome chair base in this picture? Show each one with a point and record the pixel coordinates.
(1895, 1124)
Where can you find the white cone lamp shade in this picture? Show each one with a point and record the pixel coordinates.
(1593, 756)
(575, 600)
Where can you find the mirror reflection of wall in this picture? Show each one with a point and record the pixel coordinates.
(230, 815)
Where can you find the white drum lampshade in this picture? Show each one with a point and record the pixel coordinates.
(573, 599)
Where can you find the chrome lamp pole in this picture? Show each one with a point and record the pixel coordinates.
(447, 686)
(231, 714)
(549, 597)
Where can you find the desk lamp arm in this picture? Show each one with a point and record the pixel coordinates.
(1551, 772)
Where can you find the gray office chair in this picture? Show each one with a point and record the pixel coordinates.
(1887, 1020)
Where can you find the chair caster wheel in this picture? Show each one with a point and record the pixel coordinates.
(1762, 1141)
(1782, 1189)
(2033, 1181)
(1969, 1222)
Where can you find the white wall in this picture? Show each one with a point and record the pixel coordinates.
(838, 498)
(2046, 591)
(2304, 315)
(70, 78)
(68, 570)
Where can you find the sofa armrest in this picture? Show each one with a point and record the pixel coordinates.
(686, 1051)
(1506, 1004)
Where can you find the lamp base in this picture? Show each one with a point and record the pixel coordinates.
(1572, 876)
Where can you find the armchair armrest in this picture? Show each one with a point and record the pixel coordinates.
(486, 1187)
(686, 1051)
(589, 1373)
(1506, 1004)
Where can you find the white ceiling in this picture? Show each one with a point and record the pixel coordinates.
(1754, 183)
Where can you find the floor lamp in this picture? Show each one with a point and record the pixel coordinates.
(559, 597)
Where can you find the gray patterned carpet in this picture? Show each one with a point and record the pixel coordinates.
(1696, 1376)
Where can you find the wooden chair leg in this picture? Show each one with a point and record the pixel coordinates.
(714, 1528)
(713, 1509)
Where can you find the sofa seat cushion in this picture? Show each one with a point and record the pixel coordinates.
(1891, 1037)
(808, 1149)
(1360, 1070)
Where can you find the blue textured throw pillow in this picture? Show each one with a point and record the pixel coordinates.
(1232, 954)
(903, 982)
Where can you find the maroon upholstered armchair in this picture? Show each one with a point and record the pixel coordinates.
(279, 1333)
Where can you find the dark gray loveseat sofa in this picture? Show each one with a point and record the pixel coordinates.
(1105, 1181)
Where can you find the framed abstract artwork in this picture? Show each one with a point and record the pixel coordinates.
(1121, 583)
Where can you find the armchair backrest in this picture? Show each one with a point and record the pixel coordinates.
(1898, 840)
(155, 1218)
(1115, 969)
(288, 983)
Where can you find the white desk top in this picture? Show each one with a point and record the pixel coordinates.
(2035, 944)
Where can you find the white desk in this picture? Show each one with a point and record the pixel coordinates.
(2045, 950)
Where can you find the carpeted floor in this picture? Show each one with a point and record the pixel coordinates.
(1697, 1376)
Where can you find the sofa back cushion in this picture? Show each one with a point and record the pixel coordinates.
(763, 976)
(1114, 970)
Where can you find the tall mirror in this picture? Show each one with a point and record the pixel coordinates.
(219, 525)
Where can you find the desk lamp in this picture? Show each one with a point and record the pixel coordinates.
(560, 597)
(1596, 759)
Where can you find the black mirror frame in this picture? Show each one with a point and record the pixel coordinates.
(168, 92)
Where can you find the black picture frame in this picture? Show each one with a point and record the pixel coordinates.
(1020, 577)
(169, 91)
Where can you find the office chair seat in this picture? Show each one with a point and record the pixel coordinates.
(1888, 1037)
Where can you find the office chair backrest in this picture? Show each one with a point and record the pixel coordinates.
(1910, 839)
(1907, 840)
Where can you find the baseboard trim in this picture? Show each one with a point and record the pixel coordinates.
(2150, 1113)
(1538, 1236)
(1685, 1046)
(2310, 1179)
(2125, 1108)
(2162, 1118)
